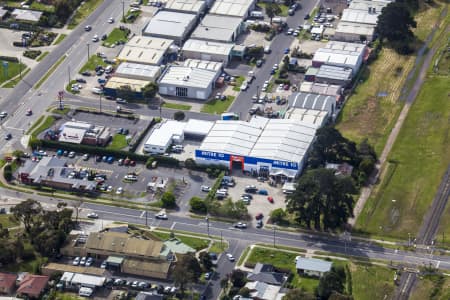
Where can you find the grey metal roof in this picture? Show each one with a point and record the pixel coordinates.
(138, 70)
(218, 28)
(193, 6)
(333, 72)
(237, 8)
(312, 101)
(188, 76)
(267, 277)
(168, 23)
(313, 264)
(207, 47)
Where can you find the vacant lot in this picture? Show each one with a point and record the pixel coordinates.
(432, 287)
(217, 106)
(417, 162)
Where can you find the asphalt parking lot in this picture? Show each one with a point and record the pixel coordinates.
(259, 204)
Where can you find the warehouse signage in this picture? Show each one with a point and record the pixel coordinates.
(279, 164)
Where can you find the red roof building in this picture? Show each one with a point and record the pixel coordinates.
(32, 285)
(7, 283)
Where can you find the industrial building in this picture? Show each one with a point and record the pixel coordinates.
(141, 55)
(313, 101)
(205, 50)
(218, 29)
(171, 25)
(359, 16)
(340, 54)
(317, 118)
(323, 89)
(115, 83)
(173, 132)
(266, 147)
(195, 79)
(333, 75)
(234, 8)
(138, 71)
(188, 6)
(352, 32)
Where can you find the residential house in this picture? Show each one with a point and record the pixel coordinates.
(312, 266)
(7, 283)
(33, 286)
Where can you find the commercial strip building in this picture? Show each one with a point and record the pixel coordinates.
(84, 133)
(206, 50)
(115, 83)
(234, 8)
(340, 54)
(171, 25)
(187, 6)
(53, 172)
(218, 29)
(195, 79)
(267, 147)
(138, 71)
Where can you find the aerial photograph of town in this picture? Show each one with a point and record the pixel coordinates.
(225, 149)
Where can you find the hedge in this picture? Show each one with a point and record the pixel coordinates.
(282, 81)
(9, 58)
(94, 150)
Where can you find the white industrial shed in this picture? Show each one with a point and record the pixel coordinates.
(188, 6)
(340, 54)
(141, 55)
(334, 75)
(312, 101)
(359, 16)
(205, 50)
(163, 135)
(171, 25)
(235, 8)
(138, 71)
(197, 128)
(316, 118)
(218, 29)
(148, 42)
(370, 6)
(352, 32)
(275, 147)
(85, 280)
(196, 79)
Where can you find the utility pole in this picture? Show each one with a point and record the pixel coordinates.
(409, 239)
(207, 223)
(68, 72)
(87, 44)
(221, 240)
(123, 11)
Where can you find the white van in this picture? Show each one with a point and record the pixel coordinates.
(85, 291)
(97, 91)
(257, 14)
(108, 69)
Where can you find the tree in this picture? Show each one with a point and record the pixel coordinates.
(394, 24)
(321, 198)
(168, 200)
(149, 91)
(244, 292)
(178, 115)
(198, 205)
(26, 212)
(205, 260)
(295, 294)
(332, 281)
(186, 271)
(7, 172)
(238, 278)
(272, 10)
(277, 215)
(125, 92)
(63, 9)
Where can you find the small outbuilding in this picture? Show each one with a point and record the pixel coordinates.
(26, 15)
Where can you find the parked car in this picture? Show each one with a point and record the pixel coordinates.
(83, 261)
(89, 261)
(263, 192)
(208, 275)
(104, 264)
(111, 20)
(76, 261)
(230, 257)
(3, 114)
(8, 136)
(71, 154)
(259, 216)
(206, 188)
(119, 191)
(259, 224)
(110, 160)
(92, 215)
(29, 112)
(270, 199)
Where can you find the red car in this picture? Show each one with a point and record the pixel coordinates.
(259, 216)
(270, 198)
(132, 163)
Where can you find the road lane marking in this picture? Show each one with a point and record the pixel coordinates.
(173, 225)
(143, 214)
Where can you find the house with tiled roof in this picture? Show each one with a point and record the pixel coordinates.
(32, 285)
(7, 283)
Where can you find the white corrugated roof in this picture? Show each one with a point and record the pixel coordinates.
(355, 28)
(364, 5)
(148, 42)
(219, 28)
(188, 76)
(195, 6)
(88, 279)
(207, 47)
(141, 55)
(340, 53)
(314, 117)
(168, 23)
(277, 139)
(237, 8)
(163, 133)
(359, 16)
(139, 70)
(198, 127)
(203, 64)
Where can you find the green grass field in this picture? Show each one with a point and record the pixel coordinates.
(218, 247)
(177, 106)
(93, 61)
(42, 7)
(13, 70)
(115, 35)
(432, 287)
(371, 281)
(83, 11)
(118, 142)
(418, 159)
(217, 106)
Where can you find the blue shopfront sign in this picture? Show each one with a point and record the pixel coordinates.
(279, 164)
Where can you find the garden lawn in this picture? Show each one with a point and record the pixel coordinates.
(177, 106)
(13, 71)
(7, 222)
(218, 247)
(47, 123)
(418, 161)
(217, 106)
(84, 10)
(115, 36)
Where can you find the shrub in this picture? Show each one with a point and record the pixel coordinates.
(7, 172)
(282, 81)
(10, 58)
(198, 205)
(32, 53)
(168, 200)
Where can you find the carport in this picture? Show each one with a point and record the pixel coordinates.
(114, 261)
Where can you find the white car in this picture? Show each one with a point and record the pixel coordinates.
(83, 261)
(240, 225)
(3, 114)
(111, 20)
(109, 189)
(89, 261)
(76, 261)
(95, 38)
(161, 216)
(244, 86)
(206, 188)
(92, 215)
(275, 67)
(130, 177)
(230, 257)
(71, 154)
(119, 190)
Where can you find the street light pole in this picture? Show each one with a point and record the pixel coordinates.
(409, 239)
(207, 223)
(123, 11)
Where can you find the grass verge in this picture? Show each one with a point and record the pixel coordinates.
(84, 10)
(418, 161)
(12, 83)
(13, 70)
(49, 72)
(114, 36)
(218, 246)
(93, 61)
(193, 242)
(119, 141)
(59, 39)
(177, 106)
(42, 125)
(42, 56)
(217, 106)
(239, 81)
